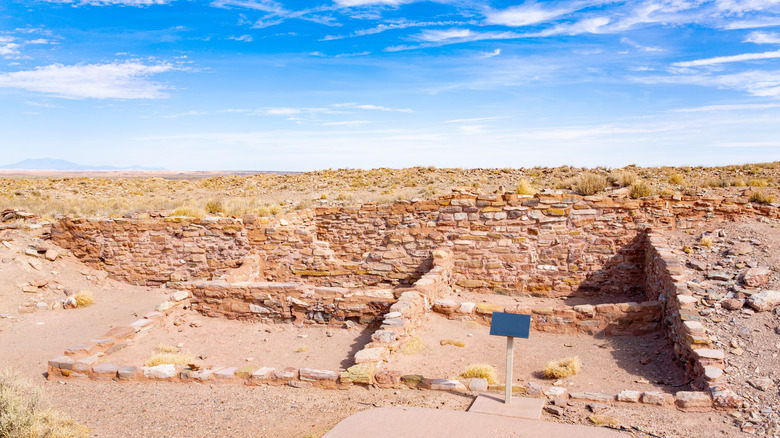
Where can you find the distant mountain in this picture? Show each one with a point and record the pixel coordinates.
(55, 164)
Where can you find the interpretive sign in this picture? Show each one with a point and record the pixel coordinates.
(511, 325)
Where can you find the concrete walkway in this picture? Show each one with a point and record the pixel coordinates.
(397, 421)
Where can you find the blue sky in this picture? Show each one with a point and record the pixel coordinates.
(282, 85)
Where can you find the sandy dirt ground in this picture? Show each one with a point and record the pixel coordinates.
(111, 409)
(221, 342)
(610, 365)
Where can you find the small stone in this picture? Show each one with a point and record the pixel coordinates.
(555, 410)
(697, 265)
(692, 400)
(629, 396)
(763, 301)
(732, 304)
(478, 385)
(653, 398)
(762, 383)
(51, 255)
(555, 391)
(740, 249)
(163, 371)
(719, 275)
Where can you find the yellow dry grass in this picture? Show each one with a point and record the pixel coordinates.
(454, 342)
(167, 354)
(480, 370)
(413, 345)
(24, 415)
(84, 298)
(302, 349)
(557, 369)
(706, 241)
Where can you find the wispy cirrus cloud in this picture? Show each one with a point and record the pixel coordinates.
(137, 3)
(383, 27)
(756, 82)
(728, 59)
(125, 80)
(758, 37)
(529, 13)
(352, 105)
(440, 37)
(732, 107)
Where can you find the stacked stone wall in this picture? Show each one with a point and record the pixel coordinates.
(551, 244)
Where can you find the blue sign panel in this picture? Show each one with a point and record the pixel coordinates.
(510, 324)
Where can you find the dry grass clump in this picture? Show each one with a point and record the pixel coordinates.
(760, 197)
(677, 179)
(84, 298)
(525, 188)
(706, 241)
(590, 183)
(413, 346)
(215, 206)
(758, 183)
(188, 211)
(603, 420)
(166, 354)
(23, 414)
(557, 369)
(480, 371)
(455, 342)
(302, 349)
(622, 178)
(640, 190)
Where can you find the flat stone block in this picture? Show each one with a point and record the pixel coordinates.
(693, 400)
(629, 396)
(653, 398)
(447, 385)
(370, 355)
(164, 371)
(592, 396)
(63, 363)
(313, 375)
(127, 373)
(106, 369)
(519, 407)
(263, 374)
(226, 373)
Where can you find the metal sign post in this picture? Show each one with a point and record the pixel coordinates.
(512, 326)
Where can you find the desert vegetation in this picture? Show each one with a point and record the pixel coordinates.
(271, 194)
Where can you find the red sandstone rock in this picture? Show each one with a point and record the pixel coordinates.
(756, 277)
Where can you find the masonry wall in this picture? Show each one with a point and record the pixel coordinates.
(551, 244)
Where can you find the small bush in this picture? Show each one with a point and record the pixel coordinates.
(761, 198)
(84, 298)
(525, 188)
(677, 179)
(758, 183)
(22, 413)
(623, 178)
(167, 354)
(413, 346)
(590, 184)
(706, 241)
(188, 211)
(215, 206)
(557, 369)
(480, 371)
(455, 342)
(640, 190)
(165, 348)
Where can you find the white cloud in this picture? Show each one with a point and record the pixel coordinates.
(9, 49)
(755, 82)
(348, 123)
(352, 3)
(128, 80)
(434, 38)
(392, 26)
(475, 119)
(442, 35)
(728, 59)
(492, 54)
(526, 15)
(137, 3)
(759, 37)
(742, 6)
(258, 5)
(733, 107)
(639, 46)
(242, 38)
(371, 107)
(752, 24)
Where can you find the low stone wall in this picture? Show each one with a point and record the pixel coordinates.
(551, 244)
(612, 319)
(666, 282)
